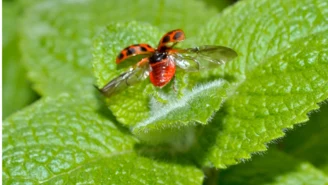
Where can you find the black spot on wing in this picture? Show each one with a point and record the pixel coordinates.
(143, 49)
(130, 51)
(177, 35)
(166, 39)
(120, 56)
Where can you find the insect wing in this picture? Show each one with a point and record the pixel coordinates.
(170, 39)
(126, 79)
(203, 57)
(134, 53)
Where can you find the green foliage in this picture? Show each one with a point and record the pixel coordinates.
(146, 135)
(284, 89)
(16, 89)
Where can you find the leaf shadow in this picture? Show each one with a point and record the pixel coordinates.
(207, 136)
(204, 139)
(314, 147)
(262, 169)
(104, 111)
(165, 153)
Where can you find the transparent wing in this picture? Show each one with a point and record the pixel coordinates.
(131, 77)
(203, 57)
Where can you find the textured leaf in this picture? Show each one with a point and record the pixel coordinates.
(309, 142)
(271, 28)
(57, 35)
(17, 92)
(281, 75)
(66, 141)
(274, 168)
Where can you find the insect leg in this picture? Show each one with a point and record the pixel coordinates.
(143, 62)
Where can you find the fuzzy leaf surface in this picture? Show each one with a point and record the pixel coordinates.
(184, 112)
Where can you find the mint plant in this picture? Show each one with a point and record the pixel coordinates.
(209, 131)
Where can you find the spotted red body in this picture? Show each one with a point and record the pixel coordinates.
(160, 64)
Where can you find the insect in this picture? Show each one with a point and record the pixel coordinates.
(160, 64)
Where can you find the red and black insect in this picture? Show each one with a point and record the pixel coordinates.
(160, 64)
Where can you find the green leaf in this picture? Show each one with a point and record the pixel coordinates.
(271, 28)
(281, 75)
(17, 92)
(57, 35)
(65, 140)
(274, 168)
(10, 15)
(325, 169)
(308, 142)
